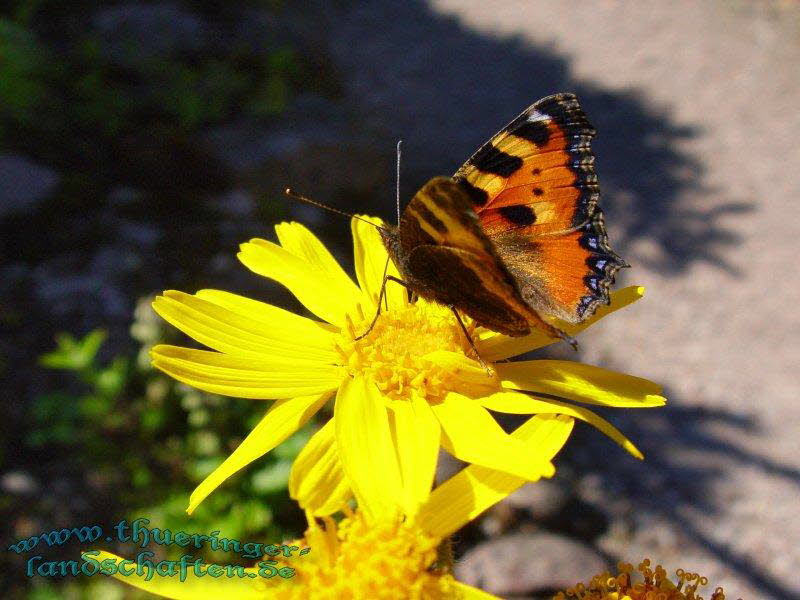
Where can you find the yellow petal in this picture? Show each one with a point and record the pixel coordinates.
(518, 403)
(366, 449)
(275, 332)
(471, 491)
(467, 592)
(317, 480)
(326, 297)
(298, 240)
(417, 436)
(496, 346)
(250, 587)
(281, 324)
(282, 420)
(472, 435)
(580, 382)
(245, 377)
(370, 258)
(468, 372)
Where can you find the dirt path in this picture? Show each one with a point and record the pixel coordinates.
(696, 104)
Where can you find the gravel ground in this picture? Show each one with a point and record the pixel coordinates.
(696, 104)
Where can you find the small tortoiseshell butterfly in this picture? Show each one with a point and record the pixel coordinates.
(517, 232)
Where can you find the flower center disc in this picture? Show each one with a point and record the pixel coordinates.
(369, 560)
(393, 354)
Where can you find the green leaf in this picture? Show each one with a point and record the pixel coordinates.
(72, 354)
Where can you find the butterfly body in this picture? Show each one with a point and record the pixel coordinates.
(456, 265)
(516, 234)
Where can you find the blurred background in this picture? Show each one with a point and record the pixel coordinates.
(142, 142)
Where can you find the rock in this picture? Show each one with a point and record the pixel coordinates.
(531, 505)
(135, 32)
(580, 519)
(520, 564)
(99, 287)
(541, 499)
(235, 204)
(314, 149)
(23, 184)
(18, 483)
(447, 466)
(138, 235)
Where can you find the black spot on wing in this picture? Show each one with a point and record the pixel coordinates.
(519, 215)
(566, 112)
(491, 160)
(537, 191)
(533, 131)
(476, 195)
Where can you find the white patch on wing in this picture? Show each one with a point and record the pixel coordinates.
(535, 116)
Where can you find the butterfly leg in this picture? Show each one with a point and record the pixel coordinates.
(535, 321)
(568, 338)
(381, 297)
(470, 340)
(383, 287)
(556, 332)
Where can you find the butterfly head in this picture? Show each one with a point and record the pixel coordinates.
(390, 235)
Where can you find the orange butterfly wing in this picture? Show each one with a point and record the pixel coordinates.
(444, 255)
(535, 191)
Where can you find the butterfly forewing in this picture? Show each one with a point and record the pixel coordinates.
(443, 254)
(535, 192)
(517, 232)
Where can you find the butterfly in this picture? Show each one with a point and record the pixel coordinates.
(516, 234)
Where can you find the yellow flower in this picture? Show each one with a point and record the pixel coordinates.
(379, 550)
(411, 382)
(654, 585)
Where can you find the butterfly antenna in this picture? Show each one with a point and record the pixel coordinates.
(399, 153)
(302, 198)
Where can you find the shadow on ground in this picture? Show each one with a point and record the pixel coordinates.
(678, 481)
(410, 73)
(416, 75)
(423, 77)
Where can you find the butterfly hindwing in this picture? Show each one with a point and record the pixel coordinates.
(468, 281)
(535, 192)
(445, 256)
(565, 275)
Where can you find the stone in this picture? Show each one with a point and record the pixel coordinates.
(135, 32)
(18, 483)
(541, 499)
(519, 564)
(23, 184)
